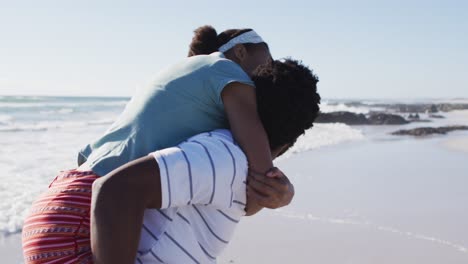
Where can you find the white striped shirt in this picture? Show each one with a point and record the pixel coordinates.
(203, 198)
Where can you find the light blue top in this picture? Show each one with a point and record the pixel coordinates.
(184, 100)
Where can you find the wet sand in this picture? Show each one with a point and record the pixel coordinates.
(459, 144)
(10, 249)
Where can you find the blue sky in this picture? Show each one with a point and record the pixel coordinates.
(359, 49)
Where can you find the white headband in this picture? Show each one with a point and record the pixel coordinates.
(247, 37)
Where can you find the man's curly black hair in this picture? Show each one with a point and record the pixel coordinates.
(287, 100)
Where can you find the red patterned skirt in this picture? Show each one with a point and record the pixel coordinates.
(57, 229)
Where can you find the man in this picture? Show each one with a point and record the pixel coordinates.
(182, 204)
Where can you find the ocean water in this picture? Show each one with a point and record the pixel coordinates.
(328, 107)
(40, 136)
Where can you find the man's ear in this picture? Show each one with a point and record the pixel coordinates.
(240, 52)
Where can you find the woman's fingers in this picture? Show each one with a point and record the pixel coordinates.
(274, 173)
(280, 184)
(262, 188)
(271, 192)
(260, 199)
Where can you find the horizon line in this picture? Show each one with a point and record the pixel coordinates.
(325, 98)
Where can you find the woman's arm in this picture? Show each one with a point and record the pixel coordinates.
(241, 109)
(272, 189)
(118, 203)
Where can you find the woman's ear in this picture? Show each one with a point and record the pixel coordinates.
(240, 52)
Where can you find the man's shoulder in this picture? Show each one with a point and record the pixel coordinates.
(219, 138)
(223, 135)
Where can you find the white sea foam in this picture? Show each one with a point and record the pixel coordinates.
(327, 108)
(29, 161)
(5, 119)
(101, 122)
(62, 111)
(52, 125)
(324, 135)
(10, 105)
(37, 142)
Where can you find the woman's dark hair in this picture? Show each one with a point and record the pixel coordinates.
(287, 100)
(207, 41)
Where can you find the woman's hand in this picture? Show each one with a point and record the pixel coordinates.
(273, 190)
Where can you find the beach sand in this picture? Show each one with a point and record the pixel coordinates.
(397, 200)
(269, 239)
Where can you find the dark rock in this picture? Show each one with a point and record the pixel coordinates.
(422, 107)
(386, 119)
(410, 108)
(425, 131)
(416, 108)
(413, 107)
(451, 107)
(433, 109)
(342, 117)
(375, 118)
(436, 116)
(426, 108)
(420, 121)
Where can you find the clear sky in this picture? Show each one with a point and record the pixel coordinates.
(359, 49)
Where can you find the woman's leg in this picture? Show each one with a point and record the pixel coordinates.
(57, 229)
